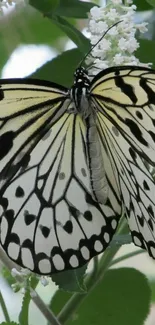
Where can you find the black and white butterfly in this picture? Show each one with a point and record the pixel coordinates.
(71, 162)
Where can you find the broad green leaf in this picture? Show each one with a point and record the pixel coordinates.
(61, 69)
(72, 281)
(35, 28)
(59, 300)
(152, 287)
(65, 8)
(44, 6)
(151, 2)
(25, 27)
(145, 52)
(123, 298)
(74, 8)
(142, 5)
(73, 33)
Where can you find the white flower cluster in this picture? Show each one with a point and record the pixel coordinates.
(117, 47)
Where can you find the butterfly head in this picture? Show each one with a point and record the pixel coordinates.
(81, 77)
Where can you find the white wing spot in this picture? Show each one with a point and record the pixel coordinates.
(106, 237)
(3, 230)
(40, 183)
(45, 266)
(137, 241)
(85, 252)
(98, 246)
(13, 250)
(27, 258)
(114, 224)
(58, 262)
(74, 261)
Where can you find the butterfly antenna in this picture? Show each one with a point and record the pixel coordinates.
(118, 22)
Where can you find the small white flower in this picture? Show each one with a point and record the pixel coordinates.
(118, 59)
(44, 281)
(33, 293)
(123, 44)
(116, 2)
(25, 272)
(119, 44)
(102, 26)
(101, 64)
(112, 14)
(96, 13)
(142, 27)
(113, 31)
(15, 272)
(94, 39)
(132, 45)
(105, 44)
(23, 291)
(98, 27)
(7, 3)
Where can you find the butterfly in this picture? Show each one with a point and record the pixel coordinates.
(72, 161)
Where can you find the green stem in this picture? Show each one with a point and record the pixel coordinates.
(4, 309)
(74, 302)
(126, 256)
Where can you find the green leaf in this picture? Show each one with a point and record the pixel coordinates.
(7, 275)
(145, 52)
(59, 300)
(73, 33)
(44, 6)
(27, 27)
(36, 29)
(71, 281)
(142, 5)
(123, 298)
(61, 69)
(65, 8)
(74, 8)
(23, 316)
(152, 287)
(151, 2)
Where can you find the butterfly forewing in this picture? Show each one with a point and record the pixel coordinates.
(27, 112)
(49, 221)
(129, 101)
(125, 122)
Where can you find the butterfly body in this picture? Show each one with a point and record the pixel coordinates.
(71, 161)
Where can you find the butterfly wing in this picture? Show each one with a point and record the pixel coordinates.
(49, 221)
(27, 111)
(125, 99)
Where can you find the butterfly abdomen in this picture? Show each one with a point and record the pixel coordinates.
(98, 181)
